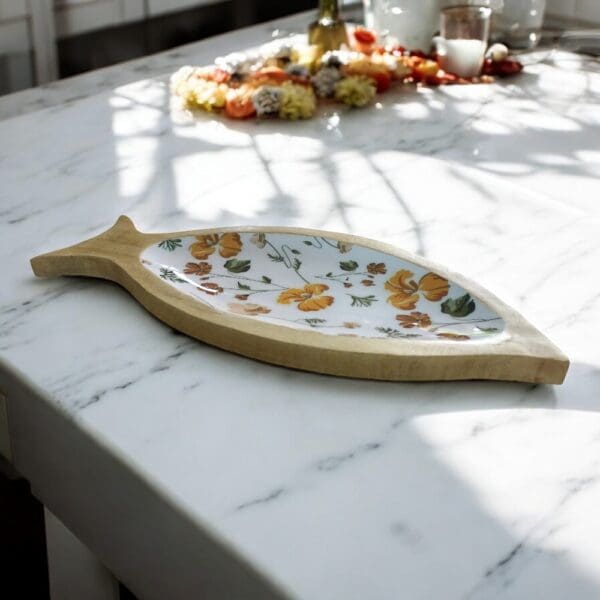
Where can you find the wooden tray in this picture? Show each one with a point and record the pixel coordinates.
(325, 302)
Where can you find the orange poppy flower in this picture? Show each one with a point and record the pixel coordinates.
(406, 291)
(228, 244)
(308, 298)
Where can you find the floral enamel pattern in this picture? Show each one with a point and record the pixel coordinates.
(319, 284)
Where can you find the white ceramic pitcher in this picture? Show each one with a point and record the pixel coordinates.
(411, 23)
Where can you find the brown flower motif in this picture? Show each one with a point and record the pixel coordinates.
(210, 288)
(367, 282)
(351, 325)
(259, 240)
(250, 310)
(201, 268)
(242, 296)
(377, 268)
(415, 319)
(456, 337)
(406, 291)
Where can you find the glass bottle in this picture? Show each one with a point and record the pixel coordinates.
(328, 31)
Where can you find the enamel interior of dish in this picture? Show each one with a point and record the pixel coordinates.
(319, 284)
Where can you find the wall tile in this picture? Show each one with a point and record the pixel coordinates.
(561, 8)
(588, 10)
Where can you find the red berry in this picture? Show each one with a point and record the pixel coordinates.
(364, 36)
(509, 67)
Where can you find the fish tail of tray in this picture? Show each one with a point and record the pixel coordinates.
(91, 257)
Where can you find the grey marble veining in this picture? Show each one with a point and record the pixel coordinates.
(334, 488)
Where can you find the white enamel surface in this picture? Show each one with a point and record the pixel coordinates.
(335, 488)
(353, 299)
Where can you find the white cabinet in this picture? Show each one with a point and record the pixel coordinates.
(159, 7)
(80, 16)
(71, 18)
(12, 9)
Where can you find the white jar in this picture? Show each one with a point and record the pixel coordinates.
(411, 23)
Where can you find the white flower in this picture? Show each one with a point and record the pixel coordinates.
(337, 58)
(239, 63)
(277, 50)
(180, 78)
(497, 52)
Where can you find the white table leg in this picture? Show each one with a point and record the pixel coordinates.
(43, 33)
(74, 572)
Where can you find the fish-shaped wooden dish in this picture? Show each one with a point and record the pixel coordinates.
(318, 301)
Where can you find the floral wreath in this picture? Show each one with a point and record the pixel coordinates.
(287, 81)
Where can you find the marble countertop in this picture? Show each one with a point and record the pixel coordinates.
(326, 488)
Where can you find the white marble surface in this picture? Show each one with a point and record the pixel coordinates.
(334, 488)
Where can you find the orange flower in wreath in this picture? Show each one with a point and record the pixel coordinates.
(309, 297)
(228, 244)
(406, 291)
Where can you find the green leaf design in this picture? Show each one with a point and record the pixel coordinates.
(297, 264)
(348, 265)
(462, 306)
(362, 301)
(170, 275)
(234, 265)
(489, 330)
(294, 251)
(275, 257)
(307, 243)
(243, 286)
(314, 322)
(170, 245)
(395, 334)
(266, 279)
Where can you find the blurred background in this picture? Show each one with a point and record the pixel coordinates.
(44, 40)
(90, 34)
